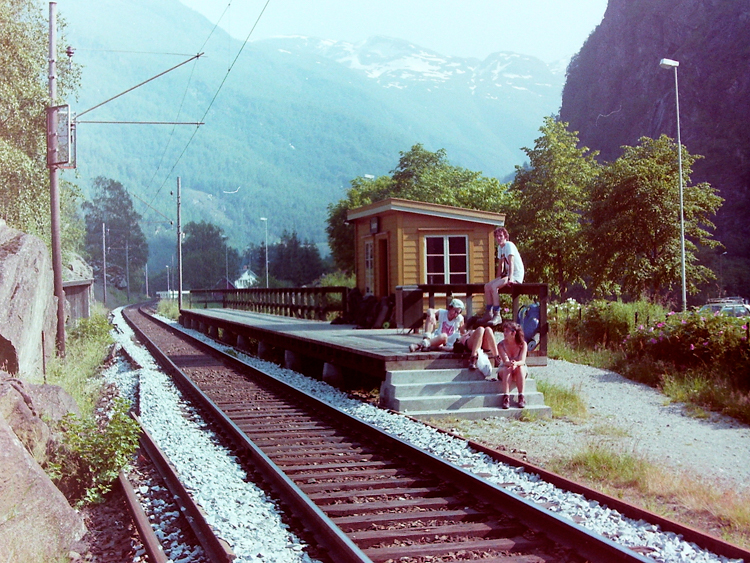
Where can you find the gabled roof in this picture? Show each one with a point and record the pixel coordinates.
(393, 204)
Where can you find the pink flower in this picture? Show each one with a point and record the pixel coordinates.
(670, 313)
(640, 327)
(652, 341)
(744, 327)
(692, 347)
(659, 325)
(683, 321)
(705, 343)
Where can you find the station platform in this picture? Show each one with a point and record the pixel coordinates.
(346, 356)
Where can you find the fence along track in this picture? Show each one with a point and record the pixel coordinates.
(392, 501)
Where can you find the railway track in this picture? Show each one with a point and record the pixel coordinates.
(362, 494)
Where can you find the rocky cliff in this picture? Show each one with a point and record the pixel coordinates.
(616, 92)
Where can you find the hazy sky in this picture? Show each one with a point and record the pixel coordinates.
(547, 29)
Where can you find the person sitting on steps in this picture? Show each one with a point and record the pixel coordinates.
(510, 270)
(480, 338)
(449, 324)
(513, 350)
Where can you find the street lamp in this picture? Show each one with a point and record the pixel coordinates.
(168, 294)
(265, 220)
(226, 262)
(667, 64)
(721, 273)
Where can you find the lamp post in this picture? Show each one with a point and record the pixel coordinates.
(667, 64)
(265, 220)
(168, 295)
(226, 263)
(721, 273)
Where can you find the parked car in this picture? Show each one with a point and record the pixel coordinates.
(730, 307)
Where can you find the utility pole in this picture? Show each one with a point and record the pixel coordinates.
(104, 262)
(127, 268)
(179, 245)
(54, 189)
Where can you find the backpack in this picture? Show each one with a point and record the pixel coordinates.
(528, 318)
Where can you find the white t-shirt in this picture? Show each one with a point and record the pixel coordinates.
(509, 252)
(448, 327)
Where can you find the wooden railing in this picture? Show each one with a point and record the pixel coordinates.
(300, 302)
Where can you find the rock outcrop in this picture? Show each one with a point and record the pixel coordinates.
(616, 92)
(37, 524)
(29, 313)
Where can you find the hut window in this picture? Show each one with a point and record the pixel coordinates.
(447, 259)
(369, 267)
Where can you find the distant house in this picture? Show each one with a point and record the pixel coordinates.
(401, 242)
(247, 279)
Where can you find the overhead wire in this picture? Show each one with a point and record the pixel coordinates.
(218, 90)
(182, 103)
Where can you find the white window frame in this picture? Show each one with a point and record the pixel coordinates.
(446, 258)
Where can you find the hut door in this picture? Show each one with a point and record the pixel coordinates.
(382, 267)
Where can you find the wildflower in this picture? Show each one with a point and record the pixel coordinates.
(659, 325)
(670, 313)
(683, 321)
(640, 327)
(744, 327)
(652, 341)
(692, 347)
(705, 343)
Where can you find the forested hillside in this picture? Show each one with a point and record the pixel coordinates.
(292, 124)
(616, 93)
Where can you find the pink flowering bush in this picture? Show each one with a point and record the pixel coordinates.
(695, 341)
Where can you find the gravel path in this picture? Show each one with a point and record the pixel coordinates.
(631, 417)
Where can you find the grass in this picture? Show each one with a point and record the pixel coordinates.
(86, 348)
(168, 308)
(565, 402)
(724, 512)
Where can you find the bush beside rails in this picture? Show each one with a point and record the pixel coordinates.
(695, 357)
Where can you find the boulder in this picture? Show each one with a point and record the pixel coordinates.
(28, 318)
(36, 522)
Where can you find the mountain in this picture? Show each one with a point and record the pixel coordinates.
(616, 93)
(292, 122)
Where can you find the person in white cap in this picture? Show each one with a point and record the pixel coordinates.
(442, 328)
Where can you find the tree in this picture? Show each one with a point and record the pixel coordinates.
(24, 183)
(292, 261)
(633, 229)
(420, 175)
(206, 257)
(127, 250)
(552, 197)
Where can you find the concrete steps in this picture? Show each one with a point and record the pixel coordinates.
(454, 393)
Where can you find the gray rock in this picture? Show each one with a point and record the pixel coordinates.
(36, 522)
(29, 307)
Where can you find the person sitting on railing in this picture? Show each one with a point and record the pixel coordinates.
(442, 328)
(510, 270)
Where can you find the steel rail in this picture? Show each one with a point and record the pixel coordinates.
(216, 549)
(557, 528)
(325, 531)
(151, 543)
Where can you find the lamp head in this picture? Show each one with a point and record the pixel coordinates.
(668, 63)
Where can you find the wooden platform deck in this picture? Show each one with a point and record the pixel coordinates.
(371, 351)
(424, 384)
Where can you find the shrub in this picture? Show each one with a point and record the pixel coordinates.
(94, 453)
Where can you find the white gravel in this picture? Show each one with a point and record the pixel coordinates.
(197, 453)
(636, 418)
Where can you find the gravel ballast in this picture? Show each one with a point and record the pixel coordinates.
(194, 455)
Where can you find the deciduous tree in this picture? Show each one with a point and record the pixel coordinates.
(551, 195)
(633, 229)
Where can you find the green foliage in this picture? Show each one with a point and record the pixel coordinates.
(565, 402)
(111, 207)
(86, 348)
(24, 182)
(97, 452)
(337, 279)
(204, 256)
(421, 175)
(552, 197)
(633, 231)
(168, 308)
(695, 340)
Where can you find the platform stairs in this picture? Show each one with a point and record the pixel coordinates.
(455, 393)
